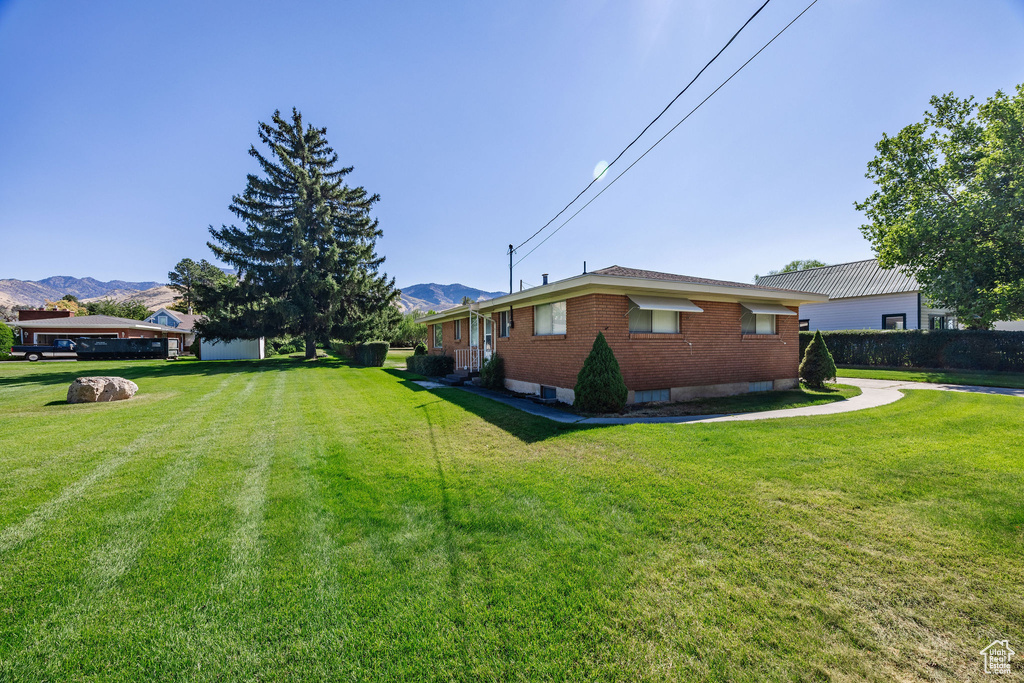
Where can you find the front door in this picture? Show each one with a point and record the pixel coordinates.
(488, 338)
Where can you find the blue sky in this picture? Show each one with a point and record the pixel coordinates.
(124, 127)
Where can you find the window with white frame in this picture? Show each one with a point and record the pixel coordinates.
(549, 319)
(458, 330)
(503, 326)
(437, 336)
(757, 323)
(657, 322)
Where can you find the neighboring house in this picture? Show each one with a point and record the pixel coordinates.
(181, 321)
(862, 296)
(236, 349)
(675, 337)
(43, 327)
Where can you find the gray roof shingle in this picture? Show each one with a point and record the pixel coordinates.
(619, 271)
(846, 280)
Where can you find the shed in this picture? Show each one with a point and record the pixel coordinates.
(236, 349)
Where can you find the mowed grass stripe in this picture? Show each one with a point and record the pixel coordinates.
(15, 534)
(56, 644)
(131, 532)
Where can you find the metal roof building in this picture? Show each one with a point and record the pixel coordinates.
(845, 280)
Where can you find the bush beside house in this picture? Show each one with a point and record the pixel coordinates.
(599, 384)
(430, 366)
(955, 349)
(492, 374)
(817, 367)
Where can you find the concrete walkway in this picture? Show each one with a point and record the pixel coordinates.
(874, 393)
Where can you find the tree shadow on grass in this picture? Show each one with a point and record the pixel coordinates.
(135, 370)
(523, 426)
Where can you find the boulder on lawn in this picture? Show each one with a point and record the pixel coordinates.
(97, 389)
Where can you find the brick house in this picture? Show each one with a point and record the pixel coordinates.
(675, 337)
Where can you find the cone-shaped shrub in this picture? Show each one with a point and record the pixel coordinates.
(599, 385)
(817, 366)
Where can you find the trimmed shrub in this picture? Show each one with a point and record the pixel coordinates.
(817, 367)
(6, 340)
(344, 349)
(196, 348)
(420, 349)
(492, 374)
(372, 354)
(430, 366)
(599, 384)
(956, 349)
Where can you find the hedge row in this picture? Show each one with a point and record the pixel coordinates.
(959, 349)
(431, 366)
(372, 354)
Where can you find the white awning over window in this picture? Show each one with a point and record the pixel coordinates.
(767, 309)
(664, 303)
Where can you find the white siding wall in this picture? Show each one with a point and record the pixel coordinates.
(860, 313)
(238, 349)
(1010, 326)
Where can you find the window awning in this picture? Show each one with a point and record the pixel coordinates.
(767, 309)
(664, 303)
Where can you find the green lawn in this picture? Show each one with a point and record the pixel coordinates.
(285, 520)
(975, 377)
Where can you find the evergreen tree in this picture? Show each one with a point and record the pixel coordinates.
(818, 366)
(305, 256)
(186, 278)
(599, 384)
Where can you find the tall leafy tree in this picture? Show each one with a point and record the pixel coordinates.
(187, 277)
(306, 251)
(799, 264)
(949, 205)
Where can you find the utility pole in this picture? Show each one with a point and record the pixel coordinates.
(510, 250)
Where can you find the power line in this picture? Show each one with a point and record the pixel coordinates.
(646, 128)
(659, 140)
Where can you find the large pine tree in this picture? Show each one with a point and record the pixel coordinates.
(305, 255)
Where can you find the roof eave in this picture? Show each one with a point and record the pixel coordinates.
(626, 284)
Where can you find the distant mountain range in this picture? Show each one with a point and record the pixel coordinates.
(37, 292)
(437, 297)
(423, 297)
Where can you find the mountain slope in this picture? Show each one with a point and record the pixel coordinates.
(37, 292)
(432, 296)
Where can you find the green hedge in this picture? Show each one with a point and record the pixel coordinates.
(956, 349)
(344, 349)
(431, 366)
(372, 354)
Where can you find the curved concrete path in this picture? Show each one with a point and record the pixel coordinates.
(874, 393)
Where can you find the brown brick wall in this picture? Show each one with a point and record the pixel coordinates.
(708, 350)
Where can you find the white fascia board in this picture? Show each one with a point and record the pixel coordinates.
(610, 284)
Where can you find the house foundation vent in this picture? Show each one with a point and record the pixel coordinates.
(761, 386)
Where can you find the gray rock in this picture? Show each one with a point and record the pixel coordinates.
(96, 389)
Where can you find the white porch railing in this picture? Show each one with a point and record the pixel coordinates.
(469, 359)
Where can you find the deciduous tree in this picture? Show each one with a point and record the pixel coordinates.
(949, 205)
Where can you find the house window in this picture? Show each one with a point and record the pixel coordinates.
(437, 336)
(757, 323)
(894, 321)
(937, 322)
(650, 396)
(549, 318)
(659, 322)
(805, 325)
(503, 326)
(458, 330)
